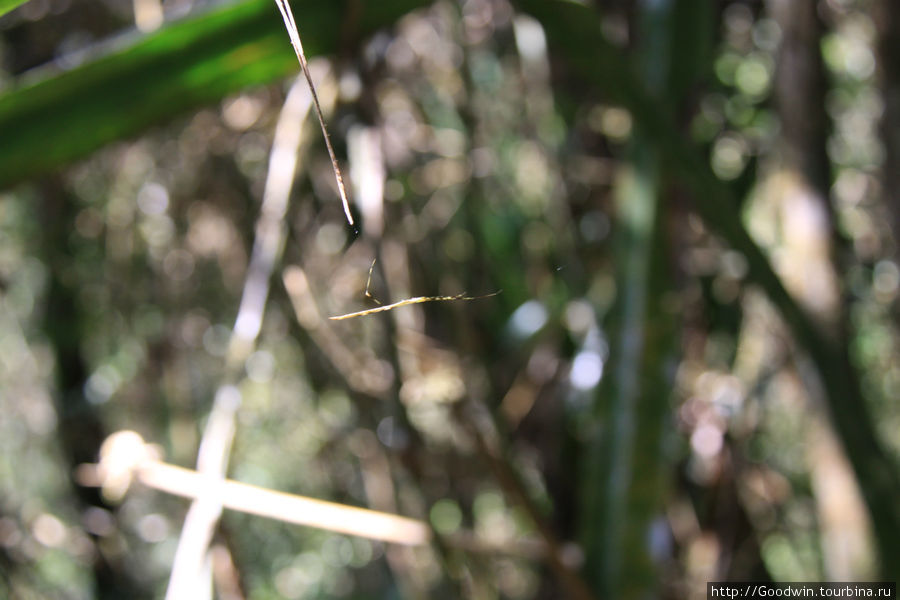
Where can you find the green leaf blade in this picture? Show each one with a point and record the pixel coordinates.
(64, 116)
(8, 5)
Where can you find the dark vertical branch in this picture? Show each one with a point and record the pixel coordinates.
(888, 22)
(800, 88)
(81, 430)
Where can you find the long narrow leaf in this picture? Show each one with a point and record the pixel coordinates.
(8, 5)
(64, 116)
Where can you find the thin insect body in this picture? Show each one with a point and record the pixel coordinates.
(285, 8)
(407, 302)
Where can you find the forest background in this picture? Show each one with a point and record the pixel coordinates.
(689, 211)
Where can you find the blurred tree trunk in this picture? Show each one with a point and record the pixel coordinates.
(802, 191)
(812, 250)
(800, 88)
(80, 429)
(888, 22)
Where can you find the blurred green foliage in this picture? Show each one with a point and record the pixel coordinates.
(690, 374)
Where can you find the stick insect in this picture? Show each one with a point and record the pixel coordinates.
(407, 302)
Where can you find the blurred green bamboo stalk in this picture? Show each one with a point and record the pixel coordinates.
(623, 491)
(628, 468)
